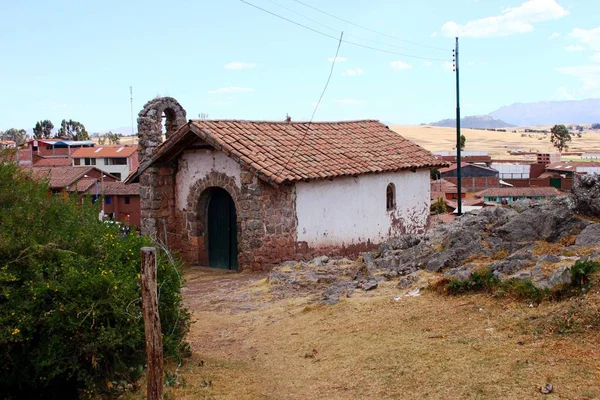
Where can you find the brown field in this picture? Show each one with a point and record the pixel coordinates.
(496, 143)
(247, 345)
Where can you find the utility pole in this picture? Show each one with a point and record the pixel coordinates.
(458, 159)
(131, 100)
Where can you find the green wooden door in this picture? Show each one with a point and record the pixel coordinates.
(222, 231)
(555, 182)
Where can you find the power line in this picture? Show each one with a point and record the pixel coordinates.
(347, 35)
(344, 41)
(316, 106)
(367, 29)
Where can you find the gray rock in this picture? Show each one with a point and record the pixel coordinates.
(320, 261)
(407, 280)
(369, 285)
(590, 236)
(562, 276)
(549, 258)
(586, 195)
(513, 263)
(331, 295)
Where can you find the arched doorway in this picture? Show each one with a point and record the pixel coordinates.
(222, 230)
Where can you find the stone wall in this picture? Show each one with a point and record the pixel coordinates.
(157, 189)
(266, 221)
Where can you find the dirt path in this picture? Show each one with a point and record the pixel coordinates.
(374, 345)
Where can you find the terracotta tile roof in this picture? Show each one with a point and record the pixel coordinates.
(59, 177)
(104, 151)
(444, 186)
(83, 185)
(53, 162)
(281, 151)
(120, 189)
(464, 164)
(520, 191)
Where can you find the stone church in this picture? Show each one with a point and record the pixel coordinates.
(250, 194)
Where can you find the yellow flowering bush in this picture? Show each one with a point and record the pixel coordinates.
(70, 309)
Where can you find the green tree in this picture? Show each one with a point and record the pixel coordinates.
(43, 129)
(109, 138)
(70, 312)
(73, 130)
(560, 137)
(17, 135)
(463, 141)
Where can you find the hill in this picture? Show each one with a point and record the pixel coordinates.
(550, 112)
(475, 121)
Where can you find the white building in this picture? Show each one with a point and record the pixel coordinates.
(118, 161)
(250, 194)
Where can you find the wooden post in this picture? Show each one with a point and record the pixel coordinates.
(154, 352)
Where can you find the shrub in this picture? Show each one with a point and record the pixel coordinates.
(70, 310)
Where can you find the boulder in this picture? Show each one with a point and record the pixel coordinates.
(320, 261)
(513, 263)
(561, 276)
(590, 236)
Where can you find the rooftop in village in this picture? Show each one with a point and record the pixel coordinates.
(291, 151)
(520, 192)
(572, 166)
(104, 151)
(463, 165)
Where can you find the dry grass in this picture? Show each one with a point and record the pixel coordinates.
(496, 143)
(373, 346)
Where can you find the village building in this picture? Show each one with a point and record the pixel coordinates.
(121, 201)
(512, 194)
(67, 179)
(7, 144)
(118, 161)
(474, 177)
(446, 190)
(250, 194)
(56, 147)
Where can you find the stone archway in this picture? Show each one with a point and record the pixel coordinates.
(197, 224)
(150, 123)
(157, 184)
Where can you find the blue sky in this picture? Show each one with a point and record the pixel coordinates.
(77, 59)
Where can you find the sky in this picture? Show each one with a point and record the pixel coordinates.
(77, 59)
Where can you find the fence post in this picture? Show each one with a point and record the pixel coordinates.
(154, 352)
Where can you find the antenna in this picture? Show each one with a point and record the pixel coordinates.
(131, 99)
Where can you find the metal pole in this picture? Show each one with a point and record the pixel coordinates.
(458, 159)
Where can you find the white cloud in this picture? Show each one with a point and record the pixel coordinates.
(434, 34)
(230, 89)
(554, 35)
(398, 65)
(353, 72)
(511, 21)
(589, 37)
(574, 47)
(230, 100)
(562, 94)
(471, 63)
(448, 66)
(427, 63)
(589, 75)
(240, 65)
(337, 59)
(595, 58)
(350, 101)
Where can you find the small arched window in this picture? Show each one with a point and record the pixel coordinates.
(390, 197)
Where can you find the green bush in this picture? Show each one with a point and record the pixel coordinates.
(70, 309)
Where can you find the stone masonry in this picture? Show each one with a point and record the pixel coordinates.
(266, 221)
(157, 190)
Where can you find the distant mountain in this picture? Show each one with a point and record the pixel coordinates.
(550, 112)
(475, 121)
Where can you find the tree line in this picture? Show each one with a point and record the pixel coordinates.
(69, 129)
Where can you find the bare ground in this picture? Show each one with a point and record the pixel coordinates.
(380, 345)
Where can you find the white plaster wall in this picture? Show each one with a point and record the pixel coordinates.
(196, 164)
(348, 211)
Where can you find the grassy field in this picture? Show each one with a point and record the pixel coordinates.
(380, 345)
(496, 143)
